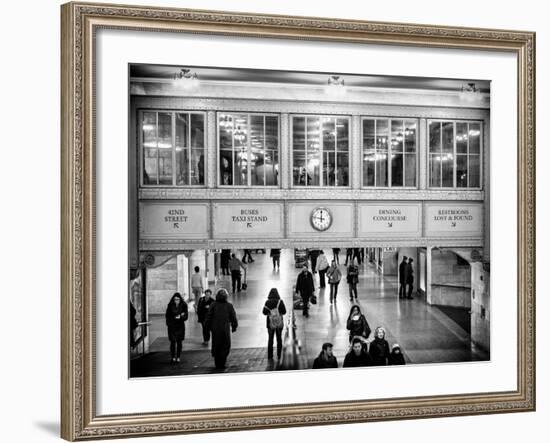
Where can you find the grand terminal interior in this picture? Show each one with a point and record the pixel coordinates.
(235, 159)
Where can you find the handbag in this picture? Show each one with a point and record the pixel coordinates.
(313, 299)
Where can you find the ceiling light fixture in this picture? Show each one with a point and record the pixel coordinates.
(335, 86)
(186, 79)
(470, 93)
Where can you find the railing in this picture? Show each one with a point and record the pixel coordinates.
(292, 357)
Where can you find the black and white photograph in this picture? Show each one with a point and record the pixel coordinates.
(283, 220)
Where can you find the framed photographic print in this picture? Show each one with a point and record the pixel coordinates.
(255, 207)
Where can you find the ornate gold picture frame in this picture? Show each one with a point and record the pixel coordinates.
(80, 22)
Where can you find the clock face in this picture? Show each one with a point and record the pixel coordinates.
(321, 219)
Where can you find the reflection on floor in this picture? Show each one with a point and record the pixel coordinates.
(425, 333)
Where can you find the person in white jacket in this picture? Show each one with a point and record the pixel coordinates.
(322, 268)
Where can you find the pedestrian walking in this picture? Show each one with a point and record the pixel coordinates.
(221, 321)
(322, 268)
(196, 284)
(235, 266)
(352, 278)
(275, 255)
(379, 348)
(357, 324)
(403, 266)
(357, 356)
(176, 316)
(203, 305)
(410, 278)
(247, 257)
(274, 310)
(349, 255)
(326, 358)
(396, 356)
(334, 276)
(305, 288)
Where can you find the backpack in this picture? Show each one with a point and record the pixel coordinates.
(275, 318)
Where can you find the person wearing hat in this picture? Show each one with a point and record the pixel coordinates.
(305, 288)
(326, 358)
(403, 266)
(396, 356)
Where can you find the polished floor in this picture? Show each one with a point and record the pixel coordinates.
(425, 333)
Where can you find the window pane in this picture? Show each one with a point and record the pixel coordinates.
(329, 134)
(182, 159)
(225, 131)
(165, 148)
(342, 132)
(271, 163)
(149, 128)
(474, 170)
(368, 135)
(299, 168)
(313, 150)
(313, 163)
(240, 153)
(435, 137)
(329, 168)
(461, 171)
(461, 138)
(342, 168)
(197, 130)
(410, 136)
(397, 169)
(474, 134)
(150, 166)
(226, 167)
(368, 168)
(435, 170)
(397, 138)
(447, 170)
(272, 132)
(257, 167)
(197, 167)
(298, 133)
(382, 135)
(381, 162)
(448, 137)
(410, 169)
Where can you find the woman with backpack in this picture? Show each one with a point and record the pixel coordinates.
(274, 310)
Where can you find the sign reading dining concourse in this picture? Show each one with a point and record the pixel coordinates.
(390, 219)
(254, 220)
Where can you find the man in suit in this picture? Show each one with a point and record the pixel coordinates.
(403, 277)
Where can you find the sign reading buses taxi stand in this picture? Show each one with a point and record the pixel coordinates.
(248, 220)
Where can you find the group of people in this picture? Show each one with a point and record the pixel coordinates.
(406, 278)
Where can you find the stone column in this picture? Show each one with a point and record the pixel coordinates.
(429, 275)
(423, 154)
(356, 153)
(211, 150)
(285, 166)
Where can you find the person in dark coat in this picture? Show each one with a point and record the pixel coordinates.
(305, 288)
(133, 325)
(349, 255)
(204, 303)
(275, 255)
(326, 358)
(396, 356)
(176, 316)
(274, 310)
(352, 278)
(410, 278)
(403, 266)
(221, 320)
(224, 261)
(357, 324)
(379, 348)
(357, 356)
(336, 255)
(313, 255)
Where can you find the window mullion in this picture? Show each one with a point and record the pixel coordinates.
(188, 147)
(157, 141)
(468, 154)
(173, 137)
(390, 149)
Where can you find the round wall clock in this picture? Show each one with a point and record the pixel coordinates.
(321, 219)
